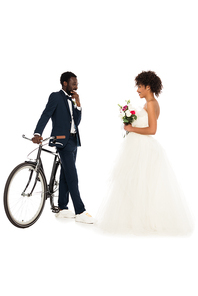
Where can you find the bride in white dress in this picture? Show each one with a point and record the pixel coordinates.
(143, 196)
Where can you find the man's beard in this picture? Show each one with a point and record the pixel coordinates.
(68, 92)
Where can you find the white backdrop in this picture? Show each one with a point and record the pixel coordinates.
(106, 44)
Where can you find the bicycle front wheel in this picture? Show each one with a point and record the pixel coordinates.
(25, 195)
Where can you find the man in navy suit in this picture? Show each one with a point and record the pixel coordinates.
(65, 116)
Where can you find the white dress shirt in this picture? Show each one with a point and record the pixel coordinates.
(73, 130)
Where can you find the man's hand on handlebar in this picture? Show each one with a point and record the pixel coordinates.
(37, 139)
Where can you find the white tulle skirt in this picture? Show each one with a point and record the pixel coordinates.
(144, 197)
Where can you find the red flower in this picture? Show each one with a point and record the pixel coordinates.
(132, 112)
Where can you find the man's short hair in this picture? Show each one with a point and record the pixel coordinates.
(66, 76)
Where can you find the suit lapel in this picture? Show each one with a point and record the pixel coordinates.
(65, 101)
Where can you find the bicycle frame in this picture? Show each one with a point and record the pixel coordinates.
(26, 188)
(39, 167)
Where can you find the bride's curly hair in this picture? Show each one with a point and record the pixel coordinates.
(149, 78)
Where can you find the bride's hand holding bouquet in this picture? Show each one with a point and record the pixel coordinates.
(128, 115)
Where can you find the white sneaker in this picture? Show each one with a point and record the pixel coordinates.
(65, 214)
(85, 218)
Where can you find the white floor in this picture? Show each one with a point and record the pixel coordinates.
(60, 256)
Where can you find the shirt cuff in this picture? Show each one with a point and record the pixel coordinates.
(79, 108)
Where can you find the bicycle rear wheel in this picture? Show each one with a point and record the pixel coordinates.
(23, 206)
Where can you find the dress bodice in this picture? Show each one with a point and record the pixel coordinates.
(142, 118)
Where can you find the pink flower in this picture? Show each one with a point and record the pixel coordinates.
(132, 112)
(125, 108)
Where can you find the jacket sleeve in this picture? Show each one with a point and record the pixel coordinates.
(77, 116)
(47, 113)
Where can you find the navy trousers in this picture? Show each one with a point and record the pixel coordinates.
(69, 178)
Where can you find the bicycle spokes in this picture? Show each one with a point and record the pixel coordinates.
(24, 206)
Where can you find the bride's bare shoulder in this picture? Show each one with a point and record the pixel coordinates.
(155, 105)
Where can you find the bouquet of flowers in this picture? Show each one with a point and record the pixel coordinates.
(127, 113)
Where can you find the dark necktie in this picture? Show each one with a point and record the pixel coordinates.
(69, 98)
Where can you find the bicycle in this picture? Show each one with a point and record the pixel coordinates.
(26, 189)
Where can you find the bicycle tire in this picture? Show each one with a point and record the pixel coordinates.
(18, 206)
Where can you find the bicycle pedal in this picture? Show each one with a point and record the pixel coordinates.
(55, 210)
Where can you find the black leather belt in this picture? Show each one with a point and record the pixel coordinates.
(73, 134)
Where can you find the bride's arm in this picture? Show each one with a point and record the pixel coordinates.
(152, 122)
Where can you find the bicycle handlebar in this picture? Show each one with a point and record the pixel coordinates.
(49, 138)
(24, 137)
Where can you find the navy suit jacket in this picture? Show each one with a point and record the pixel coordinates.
(58, 110)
